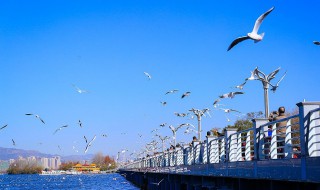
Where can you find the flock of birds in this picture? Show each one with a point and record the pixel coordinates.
(88, 143)
(255, 75)
(198, 113)
(189, 128)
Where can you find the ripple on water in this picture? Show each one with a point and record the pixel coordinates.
(84, 181)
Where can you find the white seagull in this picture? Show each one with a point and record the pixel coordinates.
(253, 75)
(158, 182)
(215, 103)
(316, 42)
(80, 91)
(80, 123)
(274, 87)
(181, 114)
(185, 94)
(37, 116)
(89, 144)
(229, 110)
(3, 127)
(171, 91)
(163, 103)
(59, 129)
(163, 124)
(254, 34)
(230, 94)
(241, 85)
(148, 75)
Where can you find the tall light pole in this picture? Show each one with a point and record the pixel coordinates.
(265, 79)
(199, 114)
(163, 139)
(174, 132)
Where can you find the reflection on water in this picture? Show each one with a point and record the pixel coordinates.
(84, 181)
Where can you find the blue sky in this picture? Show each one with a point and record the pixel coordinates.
(105, 46)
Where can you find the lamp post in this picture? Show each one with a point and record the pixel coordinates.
(265, 79)
(199, 114)
(163, 139)
(174, 132)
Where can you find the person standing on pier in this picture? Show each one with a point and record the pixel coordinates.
(281, 132)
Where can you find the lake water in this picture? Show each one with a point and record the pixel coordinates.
(83, 181)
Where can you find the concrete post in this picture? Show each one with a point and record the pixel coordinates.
(259, 142)
(196, 152)
(231, 144)
(211, 148)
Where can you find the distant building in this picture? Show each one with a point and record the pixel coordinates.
(45, 163)
(91, 168)
(55, 162)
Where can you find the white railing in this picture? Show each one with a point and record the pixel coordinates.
(272, 145)
(261, 142)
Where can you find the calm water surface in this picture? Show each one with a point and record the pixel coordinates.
(83, 181)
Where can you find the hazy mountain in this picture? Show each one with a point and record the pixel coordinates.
(13, 153)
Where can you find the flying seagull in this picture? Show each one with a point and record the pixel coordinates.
(316, 42)
(89, 144)
(216, 102)
(59, 129)
(13, 143)
(154, 130)
(181, 114)
(172, 91)
(148, 75)
(230, 94)
(163, 103)
(80, 91)
(37, 116)
(241, 85)
(253, 75)
(104, 135)
(3, 127)
(185, 94)
(80, 123)
(254, 34)
(274, 87)
(158, 182)
(229, 110)
(163, 124)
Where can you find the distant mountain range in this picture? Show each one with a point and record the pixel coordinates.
(13, 153)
